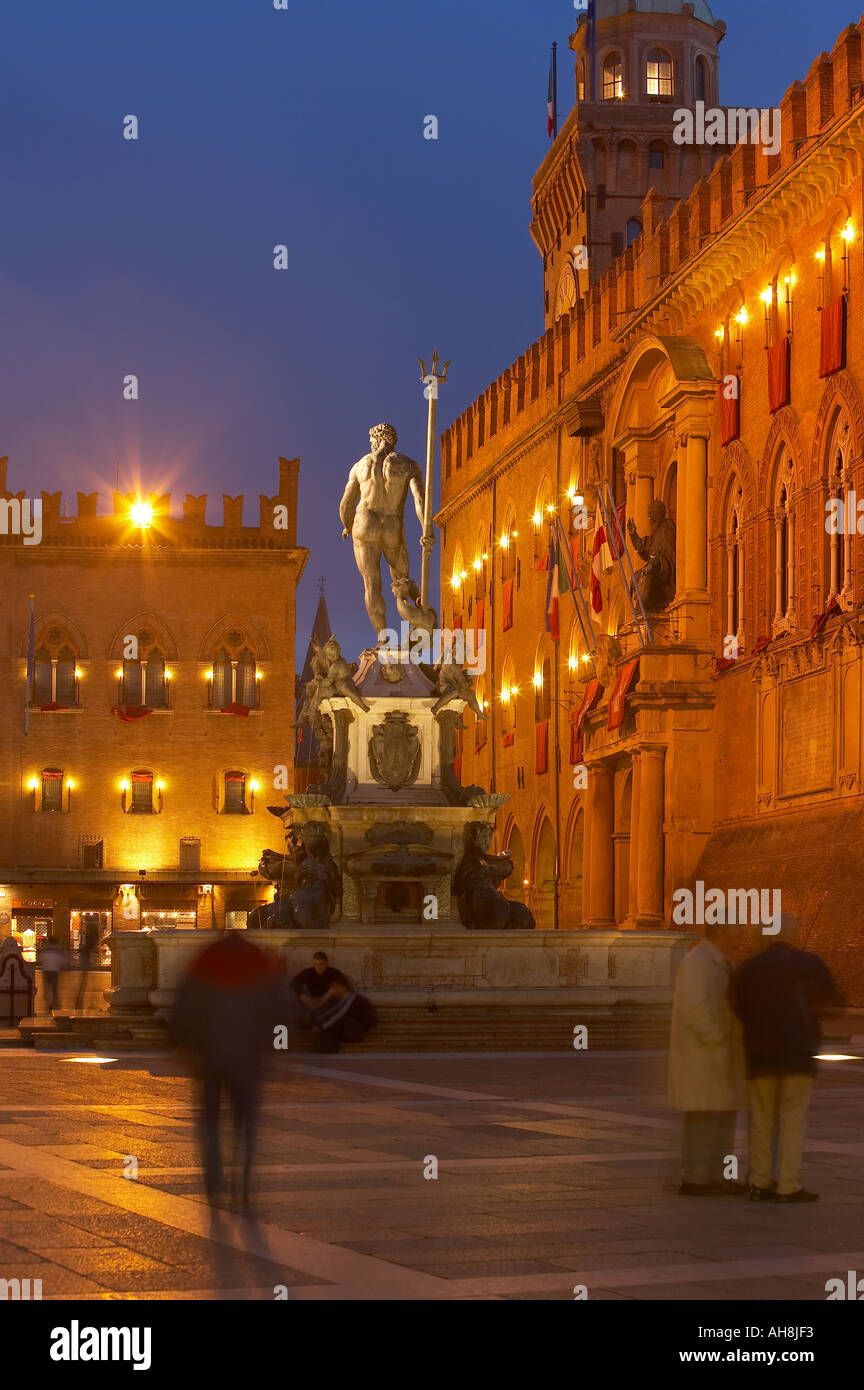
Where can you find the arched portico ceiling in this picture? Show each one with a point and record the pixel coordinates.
(655, 361)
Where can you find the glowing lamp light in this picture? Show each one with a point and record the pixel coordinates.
(585, 656)
(478, 563)
(538, 517)
(550, 509)
(514, 690)
(124, 785)
(515, 535)
(253, 786)
(525, 882)
(820, 254)
(741, 317)
(169, 675)
(78, 673)
(208, 675)
(718, 333)
(485, 555)
(538, 680)
(70, 784)
(33, 784)
(141, 514)
(571, 663)
(848, 232)
(767, 296)
(160, 786)
(790, 280)
(504, 542)
(258, 675)
(119, 673)
(836, 1057)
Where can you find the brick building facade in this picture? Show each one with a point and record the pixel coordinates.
(715, 364)
(161, 704)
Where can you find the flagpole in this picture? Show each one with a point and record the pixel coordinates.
(554, 91)
(31, 654)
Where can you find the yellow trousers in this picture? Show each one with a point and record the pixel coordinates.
(778, 1109)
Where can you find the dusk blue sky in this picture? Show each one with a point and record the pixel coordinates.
(302, 127)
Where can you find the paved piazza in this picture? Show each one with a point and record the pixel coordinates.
(554, 1170)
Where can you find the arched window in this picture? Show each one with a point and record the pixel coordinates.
(634, 230)
(540, 519)
(840, 491)
(656, 155)
(52, 789)
(235, 674)
(508, 546)
(480, 565)
(143, 681)
(509, 692)
(458, 575)
(625, 172)
(141, 800)
(55, 681)
(234, 794)
(542, 688)
(700, 84)
(734, 566)
(613, 77)
(784, 548)
(580, 81)
(658, 73)
(481, 726)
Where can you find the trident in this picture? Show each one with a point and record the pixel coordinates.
(431, 378)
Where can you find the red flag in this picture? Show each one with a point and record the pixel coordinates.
(242, 710)
(127, 714)
(507, 605)
(593, 691)
(626, 677)
(833, 347)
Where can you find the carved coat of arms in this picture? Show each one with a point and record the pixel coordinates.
(394, 751)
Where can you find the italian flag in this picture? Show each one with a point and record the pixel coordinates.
(550, 101)
(597, 560)
(557, 584)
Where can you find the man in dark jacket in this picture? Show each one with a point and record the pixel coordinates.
(777, 995)
(228, 1007)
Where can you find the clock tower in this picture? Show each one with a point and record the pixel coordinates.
(636, 63)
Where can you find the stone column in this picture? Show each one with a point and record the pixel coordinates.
(601, 903)
(696, 515)
(635, 812)
(652, 810)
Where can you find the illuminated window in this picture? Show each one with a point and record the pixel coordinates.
(235, 674)
(543, 691)
(508, 548)
(613, 77)
(658, 73)
(54, 678)
(142, 793)
(52, 789)
(234, 798)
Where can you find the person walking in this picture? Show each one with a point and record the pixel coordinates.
(51, 961)
(778, 995)
(228, 1005)
(706, 1067)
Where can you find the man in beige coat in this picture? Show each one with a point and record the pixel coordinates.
(706, 1067)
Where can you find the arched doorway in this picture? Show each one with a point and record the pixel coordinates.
(570, 899)
(514, 886)
(541, 893)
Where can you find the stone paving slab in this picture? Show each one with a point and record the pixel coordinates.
(549, 1165)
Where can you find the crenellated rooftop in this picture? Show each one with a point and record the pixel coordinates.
(123, 526)
(691, 251)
